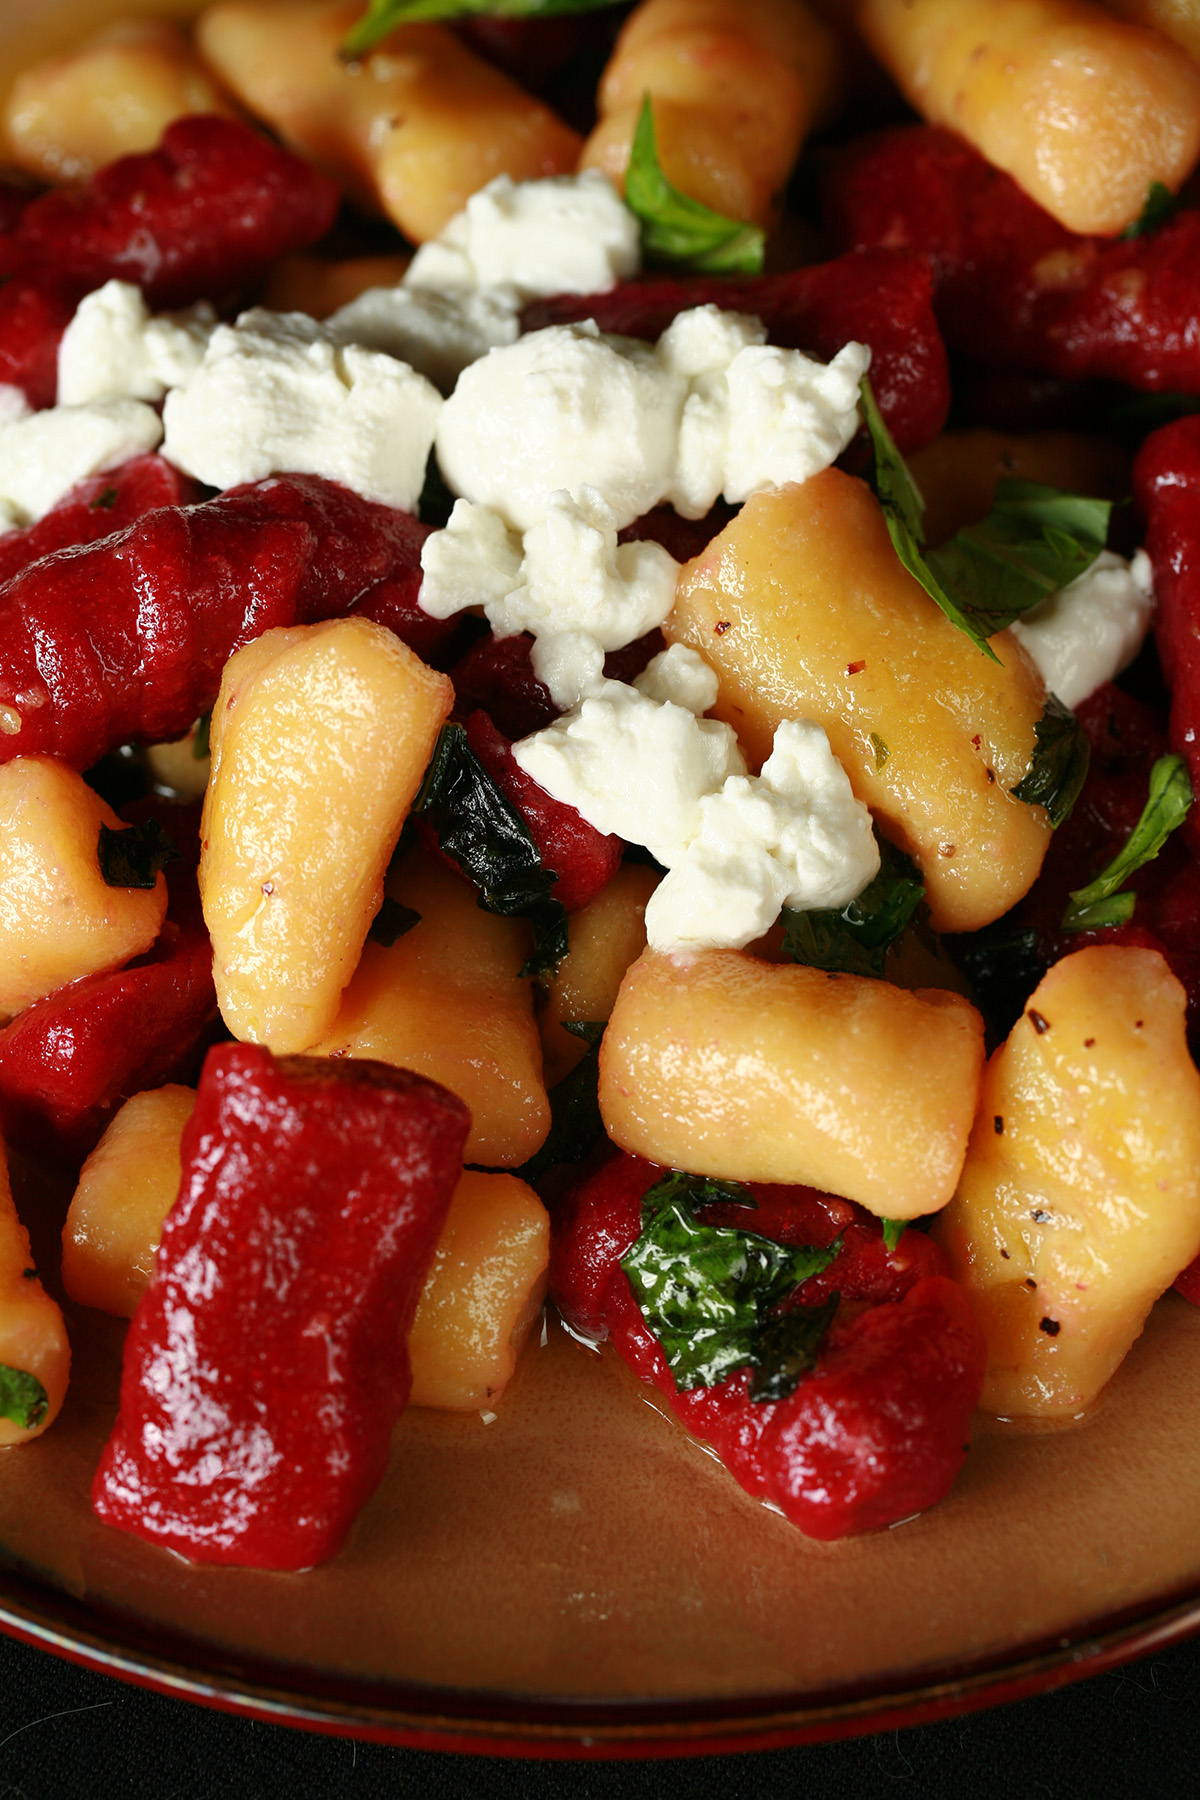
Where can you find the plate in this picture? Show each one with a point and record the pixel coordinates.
(576, 1577)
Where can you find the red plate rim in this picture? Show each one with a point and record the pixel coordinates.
(496, 1724)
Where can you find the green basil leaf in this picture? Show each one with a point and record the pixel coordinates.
(1004, 963)
(575, 1123)
(105, 500)
(893, 1231)
(1099, 903)
(23, 1399)
(706, 1291)
(678, 229)
(856, 939)
(202, 742)
(392, 921)
(383, 16)
(1159, 205)
(1060, 763)
(787, 1347)
(481, 831)
(134, 857)
(1034, 540)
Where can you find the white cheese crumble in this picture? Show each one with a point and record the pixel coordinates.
(114, 347)
(1091, 629)
(568, 582)
(44, 454)
(566, 234)
(276, 393)
(709, 409)
(793, 836)
(515, 241)
(639, 762)
(437, 334)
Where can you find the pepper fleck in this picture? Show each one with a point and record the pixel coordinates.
(1039, 1023)
(1088, 1042)
(1030, 1282)
(946, 849)
(855, 668)
(1004, 1254)
(29, 1274)
(998, 1123)
(721, 627)
(1051, 1327)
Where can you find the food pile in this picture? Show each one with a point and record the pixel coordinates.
(598, 695)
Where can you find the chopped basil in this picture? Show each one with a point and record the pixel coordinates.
(1166, 807)
(105, 500)
(1060, 763)
(482, 831)
(1034, 541)
(1004, 963)
(788, 1346)
(893, 1231)
(391, 922)
(708, 1292)
(23, 1399)
(135, 857)
(880, 749)
(575, 1124)
(678, 229)
(383, 16)
(1159, 205)
(202, 741)
(856, 939)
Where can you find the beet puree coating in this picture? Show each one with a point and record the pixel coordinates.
(268, 1362)
(878, 1429)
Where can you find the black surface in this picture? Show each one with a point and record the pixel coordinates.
(67, 1732)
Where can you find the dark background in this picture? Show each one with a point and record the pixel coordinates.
(65, 1732)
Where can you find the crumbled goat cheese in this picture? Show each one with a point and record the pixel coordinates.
(634, 766)
(44, 454)
(636, 762)
(793, 836)
(561, 408)
(13, 404)
(275, 392)
(1091, 629)
(463, 291)
(709, 409)
(437, 334)
(567, 234)
(568, 582)
(114, 347)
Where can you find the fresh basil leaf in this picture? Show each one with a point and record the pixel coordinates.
(1166, 807)
(202, 742)
(1034, 540)
(678, 229)
(705, 1291)
(787, 1347)
(1060, 763)
(575, 1123)
(893, 1231)
(481, 831)
(1159, 205)
(135, 857)
(1004, 963)
(105, 500)
(1140, 414)
(856, 939)
(391, 922)
(23, 1399)
(383, 16)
